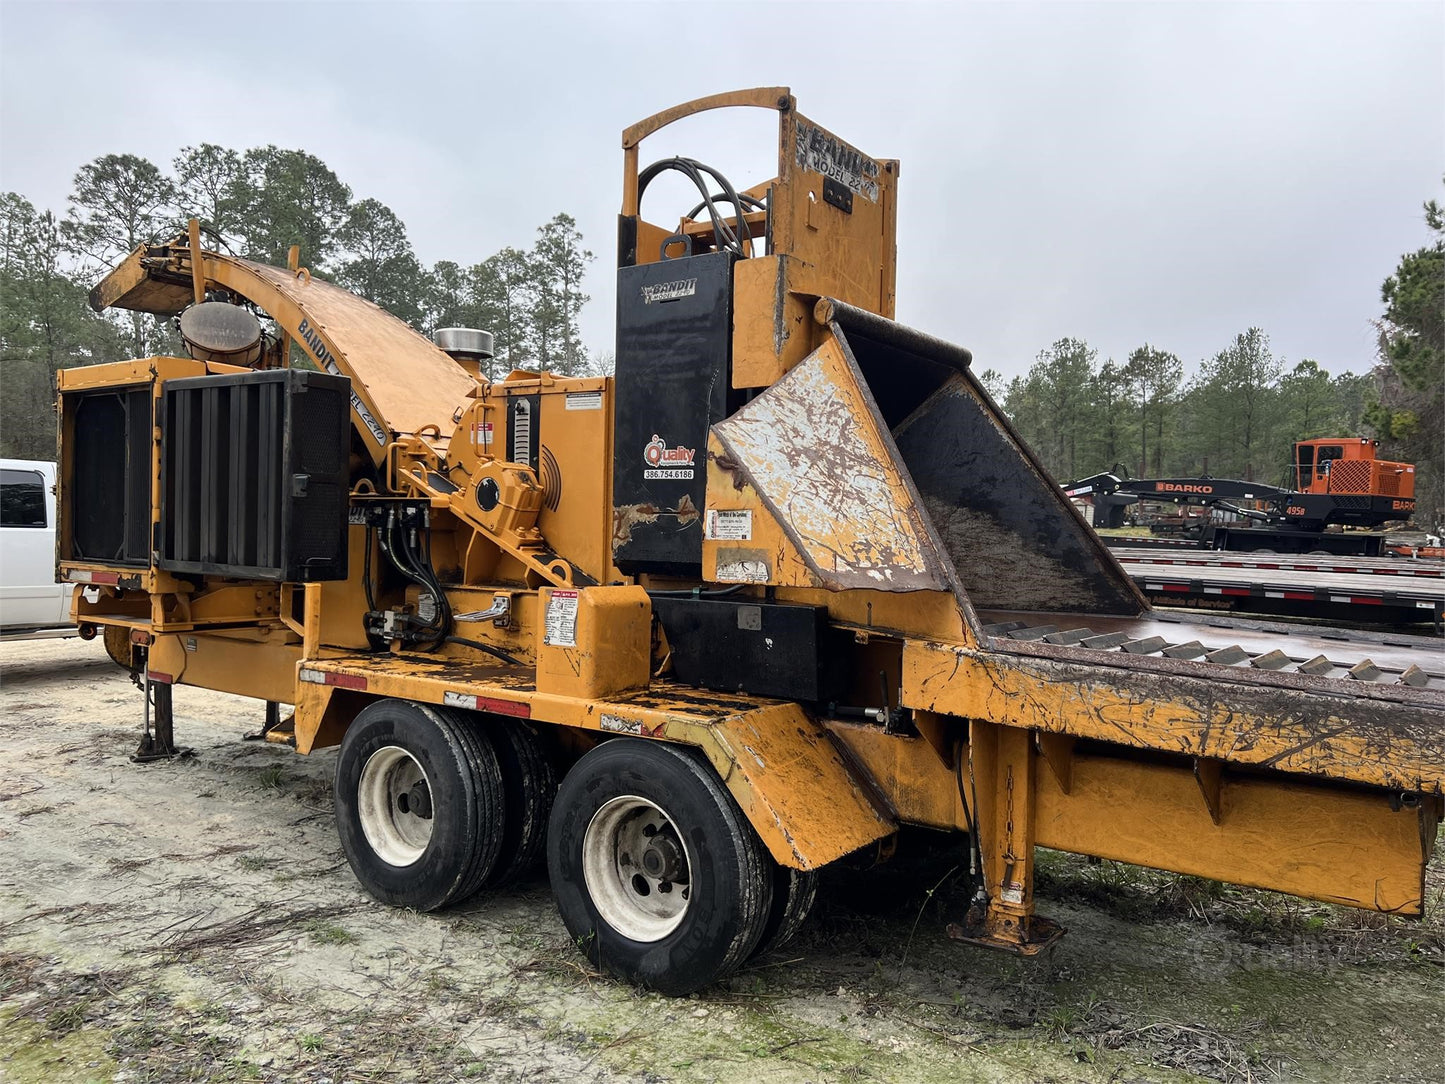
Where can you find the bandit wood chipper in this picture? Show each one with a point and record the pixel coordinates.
(786, 584)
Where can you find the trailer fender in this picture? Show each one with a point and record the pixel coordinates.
(807, 804)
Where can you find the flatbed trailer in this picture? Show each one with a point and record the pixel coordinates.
(700, 630)
(1365, 591)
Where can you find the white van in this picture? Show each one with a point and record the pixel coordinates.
(30, 599)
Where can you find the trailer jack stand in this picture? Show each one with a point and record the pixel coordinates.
(158, 742)
(1038, 934)
(273, 720)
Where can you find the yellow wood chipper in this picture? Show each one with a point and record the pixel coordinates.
(786, 584)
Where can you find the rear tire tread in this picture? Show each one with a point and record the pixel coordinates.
(492, 812)
(529, 785)
(732, 876)
(794, 891)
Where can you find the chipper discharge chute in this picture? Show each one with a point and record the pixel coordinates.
(786, 584)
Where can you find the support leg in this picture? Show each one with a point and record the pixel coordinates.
(1003, 761)
(158, 742)
(273, 719)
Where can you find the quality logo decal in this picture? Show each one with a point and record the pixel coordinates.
(669, 464)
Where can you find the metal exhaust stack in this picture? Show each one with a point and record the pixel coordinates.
(467, 346)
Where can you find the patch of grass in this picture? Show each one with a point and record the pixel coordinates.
(329, 933)
(310, 1042)
(272, 777)
(29, 1051)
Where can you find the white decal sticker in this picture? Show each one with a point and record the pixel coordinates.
(743, 572)
(561, 628)
(482, 434)
(729, 524)
(618, 725)
(668, 291)
(667, 463)
(584, 400)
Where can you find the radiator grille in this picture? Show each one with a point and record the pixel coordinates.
(107, 496)
(1350, 476)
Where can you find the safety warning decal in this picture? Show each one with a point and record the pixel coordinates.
(728, 524)
(561, 625)
(584, 400)
(482, 434)
(742, 572)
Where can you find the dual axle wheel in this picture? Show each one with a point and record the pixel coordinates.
(431, 807)
(658, 877)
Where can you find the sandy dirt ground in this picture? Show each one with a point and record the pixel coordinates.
(195, 921)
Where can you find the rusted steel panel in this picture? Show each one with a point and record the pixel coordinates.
(812, 449)
(808, 806)
(918, 786)
(1388, 736)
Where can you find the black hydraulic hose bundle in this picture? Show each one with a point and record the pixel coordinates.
(723, 234)
(977, 887)
(417, 567)
(488, 649)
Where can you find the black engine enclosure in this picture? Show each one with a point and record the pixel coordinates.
(254, 475)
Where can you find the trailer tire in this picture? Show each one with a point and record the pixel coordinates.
(794, 891)
(419, 804)
(674, 939)
(529, 787)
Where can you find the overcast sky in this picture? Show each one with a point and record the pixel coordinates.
(1121, 173)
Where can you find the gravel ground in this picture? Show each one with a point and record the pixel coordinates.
(195, 921)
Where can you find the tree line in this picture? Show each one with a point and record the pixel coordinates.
(254, 204)
(1235, 416)
(1238, 412)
